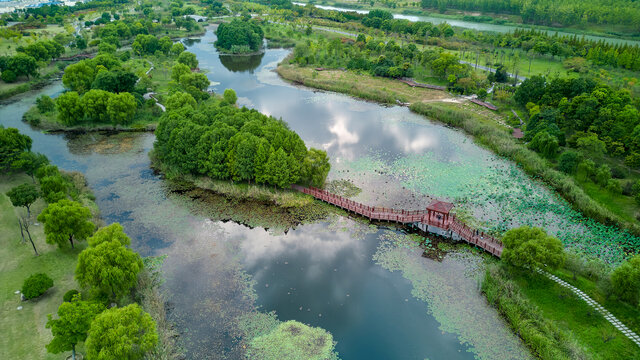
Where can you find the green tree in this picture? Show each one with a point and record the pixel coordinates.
(177, 49)
(64, 221)
(23, 195)
(188, 59)
(316, 167)
(545, 144)
(530, 91)
(12, 146)
(53, 188)
(278, 169)
(196, 80)
(109, 267)
(116, 81)
(36, 285)
(263, 152)
(243, 165)
(70, 110)
(30, 162)
(625, 280)
(126, 333)
(72, 324)
(79, 76)
(568, 161)
(592, 145)
(111, 232)
(178, 70)
(45, 104)
(95, 104)
(179, 100)
(239, 34)
(532, 248)
(121, 108)
(23, 65)
(165, 44)
(230, 96)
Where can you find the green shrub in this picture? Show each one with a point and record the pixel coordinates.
(36, 285)
(68, 296)
(8, 76)
(45, 104)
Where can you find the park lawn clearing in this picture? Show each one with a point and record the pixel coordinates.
(627, 314)
(24, 332)
(623, 206)
(593, 332)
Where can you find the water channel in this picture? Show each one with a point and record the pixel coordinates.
(479, 26)
(367, 285)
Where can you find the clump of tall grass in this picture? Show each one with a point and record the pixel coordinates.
(542, 336)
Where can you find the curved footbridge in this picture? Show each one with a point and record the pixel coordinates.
(435, 219)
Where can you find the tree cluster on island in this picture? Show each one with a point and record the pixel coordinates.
(218, 140)
(239, 36)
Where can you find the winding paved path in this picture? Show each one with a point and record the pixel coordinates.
(607, 315)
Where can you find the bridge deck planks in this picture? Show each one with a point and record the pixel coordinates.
(451, 224)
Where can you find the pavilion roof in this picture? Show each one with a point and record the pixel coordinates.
(442, 207)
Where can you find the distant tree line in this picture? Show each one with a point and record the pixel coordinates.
(542, 43)
(551, 12)
(218, 140)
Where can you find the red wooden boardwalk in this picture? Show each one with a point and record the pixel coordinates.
(450, 224)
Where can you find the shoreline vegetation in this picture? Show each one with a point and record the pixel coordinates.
(485, 130)
(294, 207)
(18, 261)
(481, 17)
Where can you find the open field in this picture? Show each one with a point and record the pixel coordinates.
(24, 332)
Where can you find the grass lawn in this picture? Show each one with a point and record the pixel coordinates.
(598, 337)
(626, 313)
(621, 205)
(24, 332)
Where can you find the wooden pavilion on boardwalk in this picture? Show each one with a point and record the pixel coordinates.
(436, 219)
(438, 212)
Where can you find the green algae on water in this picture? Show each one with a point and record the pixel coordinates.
(449, 288)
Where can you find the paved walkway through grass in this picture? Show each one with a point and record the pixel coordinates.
(607, 315)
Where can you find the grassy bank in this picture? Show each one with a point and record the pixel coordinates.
(551, 320)
(24, 333)
(364, 86)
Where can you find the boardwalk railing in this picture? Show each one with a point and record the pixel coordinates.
(456, 229)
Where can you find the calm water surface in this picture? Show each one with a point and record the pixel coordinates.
(323, 274)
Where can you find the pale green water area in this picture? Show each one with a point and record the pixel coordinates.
(368, 285)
